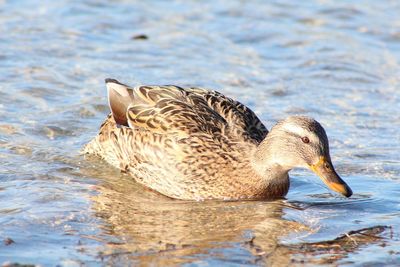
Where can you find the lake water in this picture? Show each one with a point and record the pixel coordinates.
(337, 62)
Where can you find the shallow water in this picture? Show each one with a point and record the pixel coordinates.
(336, 62)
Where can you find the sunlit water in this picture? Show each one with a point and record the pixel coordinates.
(337, 62)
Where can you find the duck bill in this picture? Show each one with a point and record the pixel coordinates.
(324, 169)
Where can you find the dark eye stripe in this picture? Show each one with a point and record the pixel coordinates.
(304, 139)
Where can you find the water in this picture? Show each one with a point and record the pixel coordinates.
(337, 62)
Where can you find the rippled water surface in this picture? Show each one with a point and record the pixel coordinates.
(337, 62)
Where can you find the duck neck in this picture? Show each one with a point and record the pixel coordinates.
(264, 163)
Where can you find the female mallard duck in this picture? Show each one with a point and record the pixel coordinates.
(198, 144)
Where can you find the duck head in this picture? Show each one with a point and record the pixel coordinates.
(300, 141)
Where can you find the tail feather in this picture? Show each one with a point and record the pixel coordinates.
(120, 96)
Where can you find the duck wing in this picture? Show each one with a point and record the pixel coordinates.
(172, 109)
(242, 120)
(163, 109)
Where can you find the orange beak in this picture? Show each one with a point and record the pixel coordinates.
(324, 169)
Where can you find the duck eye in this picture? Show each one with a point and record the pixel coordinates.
(305, 140)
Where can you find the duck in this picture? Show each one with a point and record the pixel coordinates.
(198, 144)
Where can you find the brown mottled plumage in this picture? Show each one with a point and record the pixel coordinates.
(194, 143)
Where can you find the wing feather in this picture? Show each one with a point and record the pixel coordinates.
(172, 109)
(242, 120)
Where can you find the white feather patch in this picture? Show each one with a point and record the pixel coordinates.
(118, 88)
(302, 132)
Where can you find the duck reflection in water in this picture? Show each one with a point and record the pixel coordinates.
(160, 231)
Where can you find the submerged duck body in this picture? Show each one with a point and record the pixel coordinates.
(193, 143)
